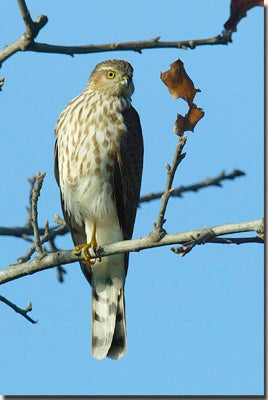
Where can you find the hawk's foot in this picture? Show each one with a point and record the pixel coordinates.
(91, 245)
(84, 249)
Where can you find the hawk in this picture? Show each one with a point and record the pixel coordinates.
(98, 167)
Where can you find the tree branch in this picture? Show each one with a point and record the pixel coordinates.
(32, 30)
(19, 310)
(27, 43)
(60, 270)
(25, 13)
(26, 231)
(34, 199)
(137, 45)
(177, 192)
(22, 231)
(45, 260)
(158, 230)
(208, 236)
(50, 235)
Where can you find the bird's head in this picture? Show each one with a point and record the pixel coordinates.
(112, 77)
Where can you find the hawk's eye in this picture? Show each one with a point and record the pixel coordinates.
(110, 74)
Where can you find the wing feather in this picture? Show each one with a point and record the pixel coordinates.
(127, 174)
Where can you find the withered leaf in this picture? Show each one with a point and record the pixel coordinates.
(188, 122)
(238, 10)
(179, 83)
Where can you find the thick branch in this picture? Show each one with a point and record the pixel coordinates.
(137, 45)
(26, 43)
(49, 260)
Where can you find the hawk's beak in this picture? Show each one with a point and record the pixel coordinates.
(126, 80)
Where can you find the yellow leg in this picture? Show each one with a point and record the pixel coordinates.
(84, 247)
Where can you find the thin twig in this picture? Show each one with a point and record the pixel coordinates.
(18, 309)
(28, 222)
(177, 192)
(25, 13)
(50, 260)
(52, 233)
(231, 240)
(24, 231)
(34, 200)
(158, 230)
(60, 270)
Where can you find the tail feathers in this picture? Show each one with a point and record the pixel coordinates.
(108, 322)
(119, 343)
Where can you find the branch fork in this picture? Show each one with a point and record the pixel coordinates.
(201, 238)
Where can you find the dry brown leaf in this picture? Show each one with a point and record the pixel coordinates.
(188, 122)
(179, 83)
(238, 10)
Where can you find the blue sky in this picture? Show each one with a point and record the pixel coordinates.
(194, 324)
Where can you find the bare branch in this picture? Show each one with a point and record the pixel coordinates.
(22, 231)
(209, 236)
(137, 45)
(32, 30)
(177, 192)
(25, 13)
(34, 199)
(27, 43)
(45, 261)
(60, 270)
(231, 240)
(28, 222)
(19, 310)
(52, 233)
(158, 230)
(26, 231)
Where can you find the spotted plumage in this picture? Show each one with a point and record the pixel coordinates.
(98, 166)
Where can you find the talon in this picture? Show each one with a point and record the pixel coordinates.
(84, 248)
(97, 250)
(78, 249)
(85, 253)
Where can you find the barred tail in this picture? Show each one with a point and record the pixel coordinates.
(108, 322)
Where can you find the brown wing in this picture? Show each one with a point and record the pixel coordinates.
(127, 174)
